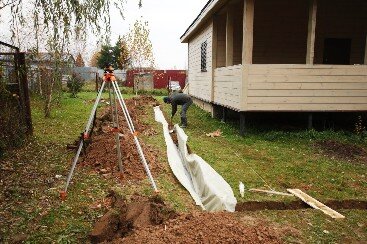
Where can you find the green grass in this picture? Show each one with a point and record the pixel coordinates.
(30, 204)
(283, 159)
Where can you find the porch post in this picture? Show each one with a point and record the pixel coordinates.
(248, 32)
(214, 55)
(247, 50)
(229, 37)
(311, 32)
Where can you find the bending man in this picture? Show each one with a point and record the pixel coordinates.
(179, 99)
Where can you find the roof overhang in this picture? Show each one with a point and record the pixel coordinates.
(209, 9)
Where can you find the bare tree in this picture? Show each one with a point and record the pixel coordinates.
(61, 21)
(140, 48)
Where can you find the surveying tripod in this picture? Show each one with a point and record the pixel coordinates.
(109, 78)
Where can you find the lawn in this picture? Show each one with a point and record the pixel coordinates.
(30, 208)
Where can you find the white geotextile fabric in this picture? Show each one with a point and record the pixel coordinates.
(208, 189)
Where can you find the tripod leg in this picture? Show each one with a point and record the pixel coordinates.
(116, 126)
(63, 194)
(89, 123)
(123, 105)
(111, 105)
(74, 164)
(137, 143)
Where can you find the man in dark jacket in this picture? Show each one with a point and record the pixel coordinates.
(179, 99)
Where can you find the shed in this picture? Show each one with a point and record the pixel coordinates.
(279, 56)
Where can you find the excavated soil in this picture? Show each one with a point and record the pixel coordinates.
(125, 217)
(150, 220)
(102, 151)
(342, 151)
(204, 227)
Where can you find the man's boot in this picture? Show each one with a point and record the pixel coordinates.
(183, 122)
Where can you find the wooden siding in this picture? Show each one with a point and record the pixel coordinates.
(306, 88)
(280, 31)
(228, 86)
(221, 21)
(342, 19)
(201, 82)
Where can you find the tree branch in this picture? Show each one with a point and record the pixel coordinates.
(8, 3)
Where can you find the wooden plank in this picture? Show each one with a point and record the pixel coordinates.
(229, 37)
(307, 93)
(316, 204)
(307, 78)
(308, 86)
(360, 70)
(326, 107)
(311, 32)
(308, 100)
(271, 192)
(248, 31)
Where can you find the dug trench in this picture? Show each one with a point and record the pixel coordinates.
(151, 219)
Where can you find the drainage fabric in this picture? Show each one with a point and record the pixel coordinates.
(208, 189)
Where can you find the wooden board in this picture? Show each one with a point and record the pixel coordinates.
(316, 204)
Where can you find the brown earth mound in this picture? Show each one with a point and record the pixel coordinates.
(125, 217)
(102, 152)
(342, 151)
(203, 228)
(150, 220)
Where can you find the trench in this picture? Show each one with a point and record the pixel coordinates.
(298, 204)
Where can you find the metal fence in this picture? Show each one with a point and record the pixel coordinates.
(13, 77)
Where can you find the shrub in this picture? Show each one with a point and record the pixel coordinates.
(75, 84)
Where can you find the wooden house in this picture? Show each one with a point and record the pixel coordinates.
(279, 56)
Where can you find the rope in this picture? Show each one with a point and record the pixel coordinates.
(265, 183)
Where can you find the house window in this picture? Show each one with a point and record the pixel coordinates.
(203, 56)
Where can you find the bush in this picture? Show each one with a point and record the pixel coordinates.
(75, 84)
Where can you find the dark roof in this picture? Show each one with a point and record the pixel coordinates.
(197, 17)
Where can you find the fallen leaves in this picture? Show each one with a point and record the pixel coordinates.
(216, 133)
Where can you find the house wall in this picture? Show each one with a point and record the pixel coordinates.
(342, 19)
(228, 86)
(201, 82)
(280, 31)
(306, 88)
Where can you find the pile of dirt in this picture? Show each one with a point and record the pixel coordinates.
(203, 227)
(125, 217)
(102, 152)
(342, 151)
(150, 220)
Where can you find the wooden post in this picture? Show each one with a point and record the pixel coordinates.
(23, 83)
(97, 82)
(229, 37)
(224, 114)
(248, 32)
(310, 121)
(247, 53)
(242, 124)
(311, 32)
(365, 52)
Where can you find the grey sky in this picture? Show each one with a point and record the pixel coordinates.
(168, 20)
